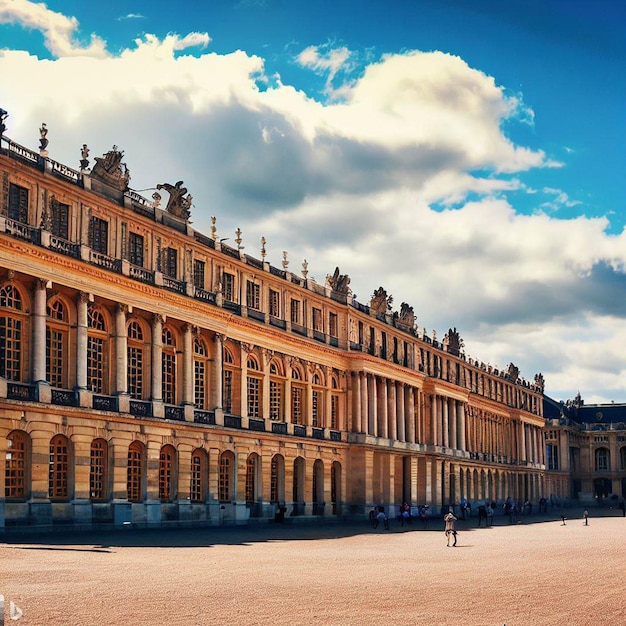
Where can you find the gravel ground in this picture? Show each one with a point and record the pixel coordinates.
(538, 572)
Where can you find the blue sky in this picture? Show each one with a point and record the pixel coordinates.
(467, 156)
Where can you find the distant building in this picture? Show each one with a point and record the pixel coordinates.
(586, 450)
(154, 375)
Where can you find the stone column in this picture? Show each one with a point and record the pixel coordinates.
(433, 419)
(382, 407)
(188, 373)
(401, 411)
(81, 340)
(356, 408)
(157, 357)
(39, 332)
(265, 404)
(245, 350)
(218, 378)
(392, 410)
(121, 358)
(188, 376)
(372, 427)
(454, 443)
(364, 401)
(410, 411)
(446, 422)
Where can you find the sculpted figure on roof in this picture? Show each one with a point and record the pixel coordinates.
(454, 341)
(110, 169)
(178, 204)
(380, 302)
(339, 282)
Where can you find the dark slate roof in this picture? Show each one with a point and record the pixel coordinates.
(585, 413)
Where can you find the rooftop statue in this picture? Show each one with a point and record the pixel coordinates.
(43, 141)
(380, 302)
(539, 381)
(339, 282)
(3, 116)
(178, 204)
(454, 341)
(406, 318)
(512, 372)
(110, 169)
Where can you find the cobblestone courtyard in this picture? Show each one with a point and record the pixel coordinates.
(539, 573)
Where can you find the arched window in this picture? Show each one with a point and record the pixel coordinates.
(135, 472)
(297, 398)
(201, 373)
(602, 460)
(57, 330)
(197, 492)
(135, 360)
(277, 479)
(97, 340)
(167, 474)
(298, 486)
(59, 468)
(226, 466)
(317, 402)
(168, 359)
(277, 386)
(98, 467)
(254, 388)
(252, 465)
(11, 333)
(16, 467)
(317, 486)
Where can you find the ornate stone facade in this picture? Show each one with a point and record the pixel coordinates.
(153, 375)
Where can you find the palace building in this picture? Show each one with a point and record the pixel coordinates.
(151, 374)
(586, 450)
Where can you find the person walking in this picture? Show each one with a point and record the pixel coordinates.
(586, 516)
(450, 531)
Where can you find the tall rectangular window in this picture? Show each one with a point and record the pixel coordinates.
(60, 219)
(135, 372)
(171, 263)
(318, 324)
(196, 490)
(315, 408)
(199, 383)
(97, 470)
(18, 203)
(55, 355)
(15, 467)
(254, 396)
(296, 405)
(198, 273)
(228, 287)
(95, 364)
(135, 249)
(332, 325)
(224, 478)
(274, 303)
(275, 400)
(10, 348)
(295, 312)
(227, 399)
(99, 235)
(169, 377)
(253, 295)
(334, 412)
